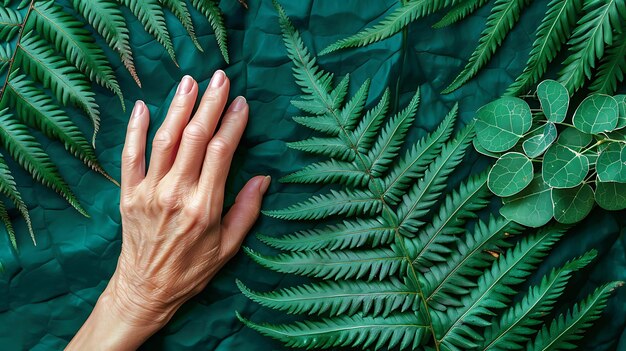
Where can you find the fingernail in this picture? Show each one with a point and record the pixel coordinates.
(239, 104)
(138, 109)
(185, 85)
(218, 79)
(265, 184)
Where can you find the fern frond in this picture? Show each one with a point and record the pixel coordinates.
(336, 298)
(455, 327)
(417, 158)
(348, 234)
(334, 203)
(390, 140)
(391, 24)
(612, 67)
(418, 201)
(365, 133)
(454, 278)
(179, 9)
(212, 12)
(107, 19)
(150, 14)
(6, 220)
(458, 12)
(397, 330)
(518, 323)
(331, 147)
(6, 54)
(16, 138)
(568, 328)
(9, 189)
(592, 32)
(329, 172)
(68, 36)
(370, 264)
(10, 23)
(503, 17)
(39, 110)
(552, 33)
(433, 243)
(65, 81)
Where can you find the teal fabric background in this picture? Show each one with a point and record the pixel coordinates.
(47, 291)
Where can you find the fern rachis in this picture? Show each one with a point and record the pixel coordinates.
(389, 278)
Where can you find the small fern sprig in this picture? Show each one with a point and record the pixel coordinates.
(405, 267)
(51, 60)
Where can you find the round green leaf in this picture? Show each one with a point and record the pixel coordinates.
(510, 175)
(572, 205)
(597, 113)
(574, 139)
(481, 150)
(621, 103)
(611, 164)
(611, 196)
(502, 123)
(531, 207)
(564, 167)
(554, 100)
(538, 144)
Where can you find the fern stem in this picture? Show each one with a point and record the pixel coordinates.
(17, 45)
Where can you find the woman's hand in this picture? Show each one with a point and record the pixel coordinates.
(174, 237)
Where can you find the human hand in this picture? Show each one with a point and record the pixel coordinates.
(174, 238)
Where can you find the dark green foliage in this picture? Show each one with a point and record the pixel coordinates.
(592, 30)
(556, 176)
(413, 267)
(51, 60)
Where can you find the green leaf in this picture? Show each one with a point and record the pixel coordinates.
(70, 38)
(553, 31)
(564, 167)
(597, 113)
(458, 12)
(532, 207)
(504, 15)
(179, 9)
(10, 23)
(150, 14)
(373, 333)
(107, 19)
(621, 102)
(586, 44)
(6, 54)
(366, 131)
(212, 12)
(481, 150)
(567, 328)
(510, 174)
(574, 139)
(6, 220)
(9, 189)
(538, 144)
(612, 67)
(574, 204)
(337, 298)
(329, 172)
(16, 138)
(554, 99)
(611, 164)
(502, 123)
(611, 196)
(390, 25)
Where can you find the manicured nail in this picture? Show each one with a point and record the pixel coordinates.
(138, 109)
(265, 184)
(185, 85)
(218, 79)
(239, 104)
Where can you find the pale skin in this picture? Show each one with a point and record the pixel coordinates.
(174, 235)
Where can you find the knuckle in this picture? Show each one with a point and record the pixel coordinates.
(166, 200)
(163, 140)
(219, 147)
(196, 132)
(130, 156)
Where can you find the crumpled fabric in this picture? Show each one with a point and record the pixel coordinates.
(48, 290)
